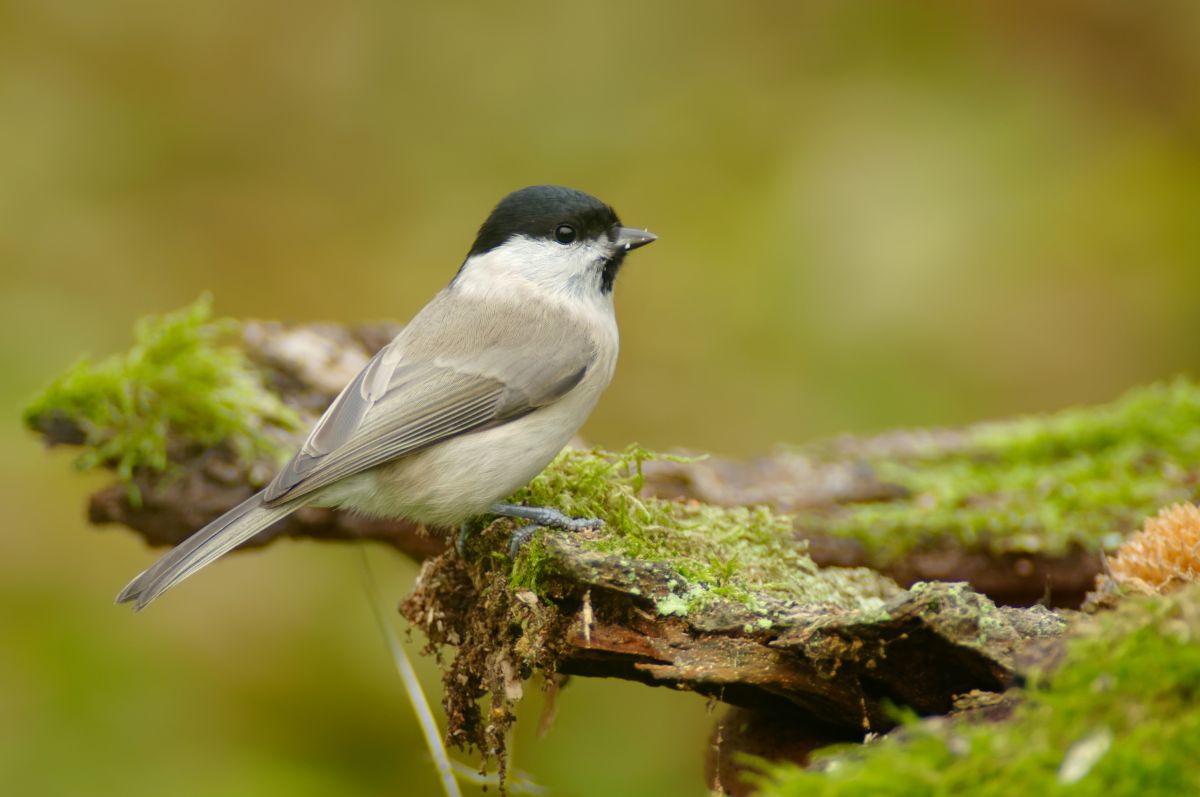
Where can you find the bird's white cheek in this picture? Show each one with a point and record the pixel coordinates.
(528, 265)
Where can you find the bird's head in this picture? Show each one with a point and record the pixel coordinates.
(554, 238)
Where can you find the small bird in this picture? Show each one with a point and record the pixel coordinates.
(471, 400)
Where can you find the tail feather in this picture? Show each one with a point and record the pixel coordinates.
(205, 546)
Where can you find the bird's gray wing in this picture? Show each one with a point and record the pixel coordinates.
(459, 366)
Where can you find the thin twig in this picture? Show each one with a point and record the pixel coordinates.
(412, 686)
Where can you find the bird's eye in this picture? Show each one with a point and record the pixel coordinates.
(564, 234)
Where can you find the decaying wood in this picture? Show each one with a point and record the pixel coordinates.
(308, 363)
(831, 670)
(837, 667)
(789, 481)
(836, 664)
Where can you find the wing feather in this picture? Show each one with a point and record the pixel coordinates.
(438, 379)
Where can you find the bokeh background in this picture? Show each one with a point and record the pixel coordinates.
(871, 214)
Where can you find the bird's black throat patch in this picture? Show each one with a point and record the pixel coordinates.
(608, 271)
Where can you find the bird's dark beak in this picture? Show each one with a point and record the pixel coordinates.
(627, 238)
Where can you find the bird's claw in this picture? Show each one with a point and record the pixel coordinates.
(565, 523)
(520, 538)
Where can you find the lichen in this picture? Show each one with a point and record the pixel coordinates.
(183, 383)
(1079, 478)
(743, 554)
(1118, 717)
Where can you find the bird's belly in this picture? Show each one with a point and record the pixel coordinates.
(460, 478)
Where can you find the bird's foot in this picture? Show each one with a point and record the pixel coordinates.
(545, 516)
(542, 517)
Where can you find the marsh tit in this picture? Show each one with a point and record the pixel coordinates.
(472, 399)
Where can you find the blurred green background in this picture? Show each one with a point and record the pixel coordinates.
(871, 214)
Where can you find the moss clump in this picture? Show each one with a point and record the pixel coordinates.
(1045, 484)
(182, 382)
(1119, 717)
(745, 555)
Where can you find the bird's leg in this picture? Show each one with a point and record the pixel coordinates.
(460, 539)
(542, 517)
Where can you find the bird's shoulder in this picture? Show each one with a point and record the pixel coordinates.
(469, 330)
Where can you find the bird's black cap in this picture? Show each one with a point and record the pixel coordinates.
(538, 210)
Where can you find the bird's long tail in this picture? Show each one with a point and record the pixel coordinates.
(206, 545)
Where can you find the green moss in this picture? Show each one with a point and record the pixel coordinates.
(183, 382)
(745, 555)
(1119, 717)
(532, 567)
(1043, 484)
